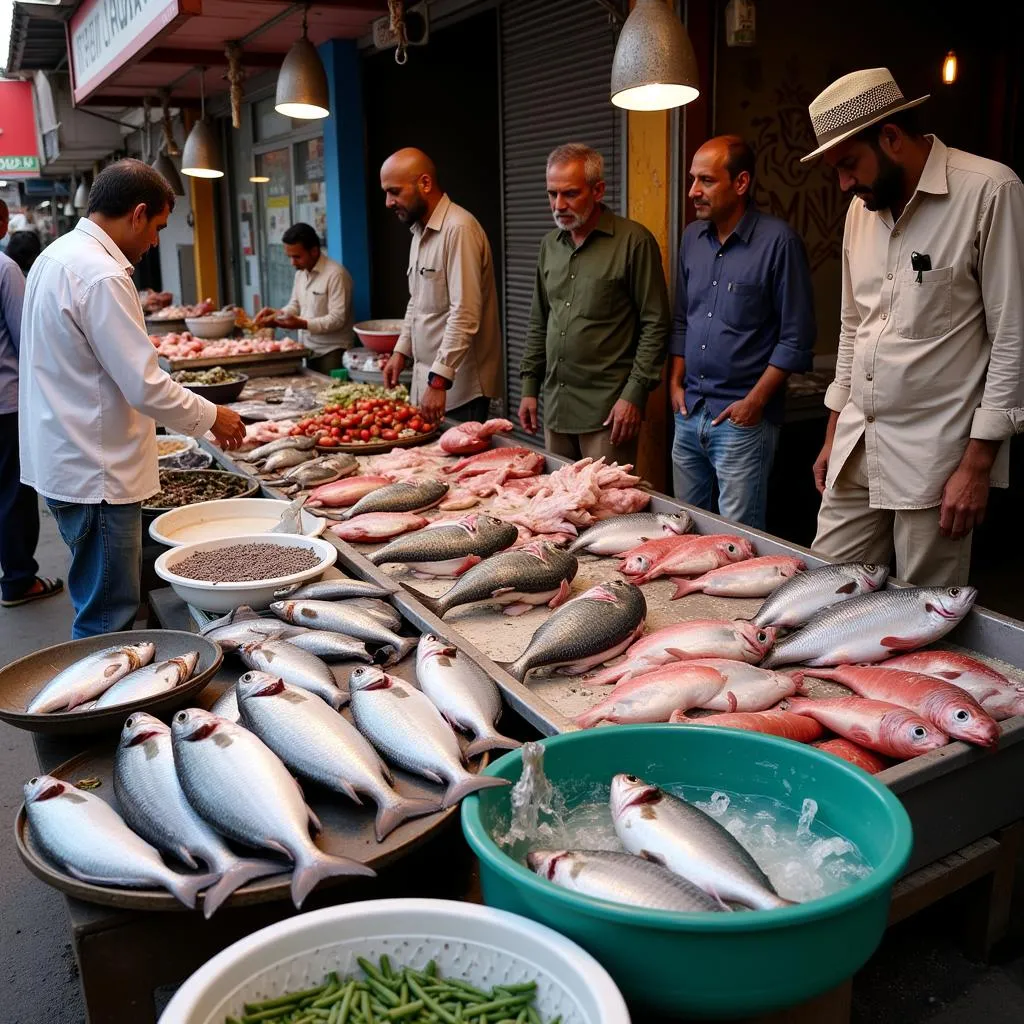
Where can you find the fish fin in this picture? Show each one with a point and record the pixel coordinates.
(340, 699)
(951, 675)
(407, 645)
(609, 676)
(684, 587)
(185, 888)
(240, 873)
(349, 790)
(467, 784)
(678, 654)
(847, 588)
(386, 655)
(273, 844)
(731, 698)
(186, 857)
(468, 564)
(518, 608)
(563, 595)
(314, 866)
(313, 819)
(432, 604)
(859, 735)
(493, 741)
(899, 643)
(501, 591)
(390, 816)
(654, 858)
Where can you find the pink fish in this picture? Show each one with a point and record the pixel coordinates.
(525, 461)
(468, 438)
(885, 728)
(1000, 697)
(653, 696)
(753, 577)
(871, 762)
(953, 710)
(374, 526)
(747, 687)
(774, 722)
(689, 556)
(738, 640)
(343, 493)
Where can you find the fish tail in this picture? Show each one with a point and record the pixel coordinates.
(186, 888)
(433, 604)
(374, 557)
(386, 655)
(340, 699)
(491, 741)
(684, 587)
(513, 668)
(613, 674)
(466, 784)
(240, 872)
(390, 815)
(313, 866)
(407, 646)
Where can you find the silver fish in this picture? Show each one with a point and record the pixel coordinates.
(405, 496)
(242, 612)
(331, 646)
(669, 831)
(538, 573)
(226, 705)
(331, 590)
(295, 666)
(82, 834)
(247, 631)
(291, 518)
(281, 444)
(90, 677)
(620, 878)
(240, 786)
(347, 619)
(150, 681)
(320, 744)
(589, 630)
(802, 596)
(154, 805)
(380, 609)
(461, 690)
(873, 627)
(623, 533)
(286, 459)
(318, 471)
(451, 547)
(409, 731)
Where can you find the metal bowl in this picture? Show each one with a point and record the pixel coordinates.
(221, 394)
(23, 679)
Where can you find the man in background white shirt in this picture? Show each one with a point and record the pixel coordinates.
(91, 389)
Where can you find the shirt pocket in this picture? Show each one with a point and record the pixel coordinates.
(596, 298)
(743, 304)
(924, 309)
(318, 302)
(431, 290)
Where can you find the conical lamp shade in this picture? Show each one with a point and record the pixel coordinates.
(81, 200)
(302, 84)
(164, 165)
(69, 210)
(201, 156)
(654, 67)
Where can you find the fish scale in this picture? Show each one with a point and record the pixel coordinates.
(806, 594)
(622, 533)
(295, 666)
(89, 677)
(874, 626)
(150, 680)
(406, 496)
(473, 536)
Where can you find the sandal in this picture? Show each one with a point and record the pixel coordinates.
(48, 589)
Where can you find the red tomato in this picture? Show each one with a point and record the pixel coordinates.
(389, 435)
(403, 414)
(364, 435)
(416, 424)
(375, 431)
(367, 419)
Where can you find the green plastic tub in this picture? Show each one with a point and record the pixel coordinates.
(710, 965)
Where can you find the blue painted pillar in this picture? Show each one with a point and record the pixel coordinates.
(348, 237)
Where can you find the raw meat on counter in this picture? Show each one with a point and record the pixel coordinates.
(265, 433)
(182, 312)
(153, 301)
(187, 346)
(468, 438)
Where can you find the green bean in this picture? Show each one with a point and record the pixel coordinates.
(471, 989)
(432, 1003)
(346, 1003)
(385, 966)
(431, 968)
(367, 1012)
(383, 992)
(532, 1015)
(499, 1004)
(267, 1015)
(525, 986)
(370, 970)
(282, 1001)
(401, 1012)
(334, 1014)
(231, 1020)
(403, 995)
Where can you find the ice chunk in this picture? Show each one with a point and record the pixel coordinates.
(807, 813)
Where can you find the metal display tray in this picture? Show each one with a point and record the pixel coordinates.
(272, 362)
(954, 795)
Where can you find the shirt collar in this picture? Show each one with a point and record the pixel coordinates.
(933, 177)
(436, 218)
(95, 231)
(605, 225)
(743, 230)
(318, 266)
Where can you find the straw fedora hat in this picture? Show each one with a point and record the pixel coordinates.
(853, 102)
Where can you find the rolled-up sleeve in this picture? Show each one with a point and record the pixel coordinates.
(647, 280)
(126, 354)
(794, 306)
(464, 270)
(1001, 272)
(838, 393)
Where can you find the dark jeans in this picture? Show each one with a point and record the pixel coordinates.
(19, 517)
(105, 579)
(474, 411)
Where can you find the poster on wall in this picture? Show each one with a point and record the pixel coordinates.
(278, 218)
(245, 224)
(311, 207)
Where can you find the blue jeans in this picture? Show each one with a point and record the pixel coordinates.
(105, 579)
(737, 459)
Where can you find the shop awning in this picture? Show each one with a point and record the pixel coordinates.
(19, 147)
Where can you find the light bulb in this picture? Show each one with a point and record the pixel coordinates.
(259, 179)
(949, 68)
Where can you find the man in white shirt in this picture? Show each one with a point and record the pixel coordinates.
(91, 389)
(930, 368)
(321, 302)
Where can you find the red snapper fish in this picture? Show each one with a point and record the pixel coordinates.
(517, 462)
(753, 577)
(343, 493)
(686, 556)
(472, 437)
(953, 710)
(871, 762)
(773, 722)
(885, 728)
(375, 526)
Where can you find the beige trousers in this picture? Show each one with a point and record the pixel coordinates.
(591, 446)
(850, 530)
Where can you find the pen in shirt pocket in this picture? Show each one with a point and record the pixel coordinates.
(920, 261)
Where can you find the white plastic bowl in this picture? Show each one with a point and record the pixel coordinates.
(225, 517)
(481, 945)
(259, 594)
(212, 326)
(188, 444)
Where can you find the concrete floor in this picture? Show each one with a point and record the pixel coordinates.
(918, 976)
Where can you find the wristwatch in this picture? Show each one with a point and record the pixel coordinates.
(438, 383)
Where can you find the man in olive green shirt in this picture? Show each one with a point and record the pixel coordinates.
(600, 318)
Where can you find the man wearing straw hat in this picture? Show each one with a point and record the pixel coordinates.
(928, 385)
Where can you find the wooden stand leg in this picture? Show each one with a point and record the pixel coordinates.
(988, 912)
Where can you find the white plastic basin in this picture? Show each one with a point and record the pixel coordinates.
(226, 517)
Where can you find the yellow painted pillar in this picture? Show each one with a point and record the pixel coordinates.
(204, 232)
(648, 182)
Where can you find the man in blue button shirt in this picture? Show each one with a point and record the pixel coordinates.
(743, 322)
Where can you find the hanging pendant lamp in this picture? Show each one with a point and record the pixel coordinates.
(302, 90)
(201, 157)
(164, 166)
(81, 200)
(654, 67)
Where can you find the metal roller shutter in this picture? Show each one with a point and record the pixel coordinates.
(556, 58)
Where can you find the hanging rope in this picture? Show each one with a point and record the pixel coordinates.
(235, 75)
(145, 133)
(170, 145)
(396, 8)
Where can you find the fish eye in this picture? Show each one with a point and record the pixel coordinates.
(762, 637)
(632, 778)
(731, 549)
(181, 716)
(870, 567)
(918, 732)
(954, 591)
(962, 715)
(129, 723)
(33, 781)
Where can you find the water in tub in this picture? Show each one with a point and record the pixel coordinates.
(803, 858)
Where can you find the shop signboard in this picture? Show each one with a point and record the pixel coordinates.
(19, 146)
(104, 35)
